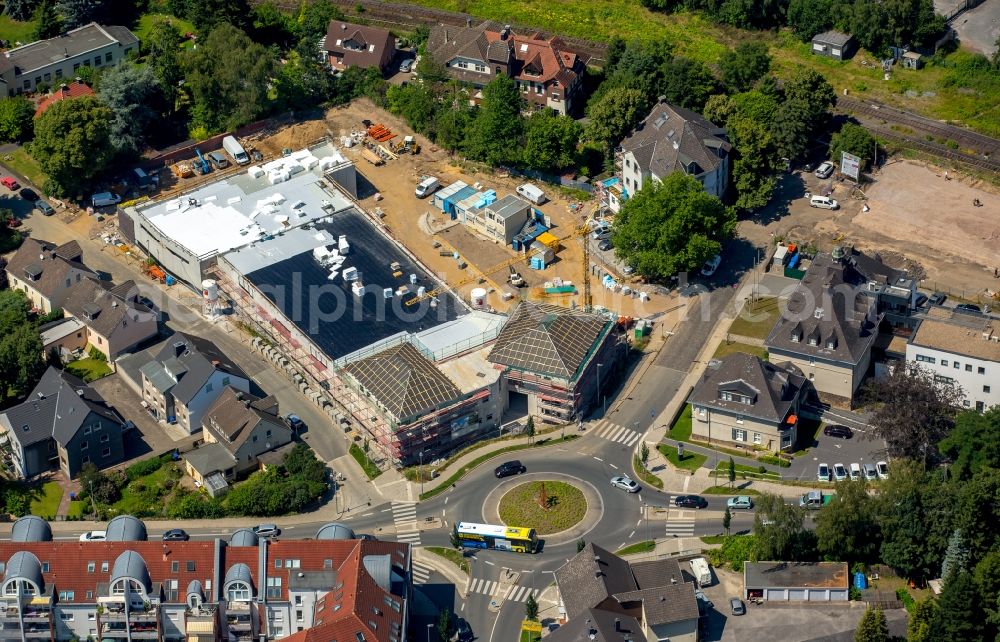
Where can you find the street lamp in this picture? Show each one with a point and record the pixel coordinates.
(429, 631)
(420, 470)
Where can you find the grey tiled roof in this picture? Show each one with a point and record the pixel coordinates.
(548, 339)
(673, 139)
(665, 604)
(234, 415)
(69, 45)
(103, 306)
(403, 381)
(210, 458)
(599, 625)
(53, 269)
(652, 573)
(195, 358)
(590, 577)
(833, 38)
(771, 388)
(827, 316)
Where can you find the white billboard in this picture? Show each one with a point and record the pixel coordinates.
(850, 165)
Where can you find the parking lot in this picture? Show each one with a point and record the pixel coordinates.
(831, 450)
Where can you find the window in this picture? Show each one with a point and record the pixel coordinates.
(277, 562)
(90, 595)
(66, 617)
(968, 367)
(944, 362)
(104, 567)
(739, 435)
(940, 379)
(208, 387)
(756, 438)
(45, 567)
(298, 615)
(76, 66)
(175, 567)
(66, 596)
(108, 57)
(190, 566)
(966, 403)
(91, 566)
(106, 452)
(739, 419)
(97, 61)
(925, 359)
(238, 592)
(85, 460)
(48, 77)
(105, 439)
(59, 73)
(84, 446)
(982, 370)
(268, 434)
(986, 389)
(956, 364)
(327, 563)
(274, 587)
(91, 616)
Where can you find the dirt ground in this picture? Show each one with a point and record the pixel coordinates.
(918, 221)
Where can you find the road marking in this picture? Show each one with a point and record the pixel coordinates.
(606, 429)
(368, 514)
(489, 562)
(598, 458)
(404, 516)
(613, 466)
(463, 607)
(446, 499)
(442, 512)
(385, 510)
(680, 528)
(639, 523)
(421, 573)
(631, 534)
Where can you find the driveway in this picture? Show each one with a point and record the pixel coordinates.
(832, 450)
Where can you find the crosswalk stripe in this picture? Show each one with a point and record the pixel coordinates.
(515, 593)
(680, 527)
(474, 586)
(618, 433)
(631, 438)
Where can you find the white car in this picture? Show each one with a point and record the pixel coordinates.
(825, 170)
(711, 265)
(855, 472)
(742, 501)
(882, 469)
(94, 536)
(625, 483)
(823, 473)
(839, 472)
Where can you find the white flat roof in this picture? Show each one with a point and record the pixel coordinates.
(251, 205)
(470, 371)
(66, 327)
(464, 333)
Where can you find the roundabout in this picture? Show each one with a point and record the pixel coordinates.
(546, 505)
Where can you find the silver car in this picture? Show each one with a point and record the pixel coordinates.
(825, 170)
(625, 483)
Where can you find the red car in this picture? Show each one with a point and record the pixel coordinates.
(10, 183)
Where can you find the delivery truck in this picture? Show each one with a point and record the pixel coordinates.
(702, 573)
(234, 149)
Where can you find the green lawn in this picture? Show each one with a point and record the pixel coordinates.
(564, 506)
(453, 556)
(692, 461)
(45, 500)
(25, 165)
(713, 539)
(726, 490)
(756, 320)
(146, 25)
(148, 495)
(15, 31)
(638, 547)
(88, 369)
(681, 429)
(366, 464)
(723, 468)
(727, 348)
(76, 509)
(644, 475)
(530, 636)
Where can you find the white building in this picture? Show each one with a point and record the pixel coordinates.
(961, 349)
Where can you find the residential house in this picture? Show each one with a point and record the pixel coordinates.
(115, 320)
(500, 220)
(797, 581)
(237, 590)
(671, 139)
(75, 89)
(547, 72)
(63, 424)
(184, 380)
(961, 349)
(47, 273)
(611, 600)
(894, 291)
(834, 44)
(350, 45)
(67, 336)
(56, 60)
(560, 358)
(237, 429)
(748, 402)
(827, 330)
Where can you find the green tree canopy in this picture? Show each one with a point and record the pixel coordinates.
(72, 144)
(314, 19)
(76, 13)
(853, 139)
(687, 83)
(228, 90)
(972, 444)
(846, 528)
(303, 82)
(810, 17)
(778, 528)
(495, 134)
(743, 66)
(959, 615)
(671, 226)
(918, 629)
(162, 48)
(20, 10)
(757, 159)
(270, 26)
(16, 118)
(813, 89)
(872, 627)
(132, 93)
(47, 22)
(550, 141)
(614, 114)
(415, 102)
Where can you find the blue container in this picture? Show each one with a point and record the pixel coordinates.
(170, 280)
(860, 581)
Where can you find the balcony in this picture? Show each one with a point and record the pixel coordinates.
(39, 632)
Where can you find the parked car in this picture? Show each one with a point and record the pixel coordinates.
(823, 473)
(267, 530)
(839, 472)
(690, 501)
(103, 199)
(176, 535)
(463, 632)
(882, 469)
(938, 298)
(628, 270)
(869, 472)
(625, 483)
(601, 232)
(855, 472)
(605, 245)
(10, 183)
(406, 66)
(295, 423)
(44, 207)
(94, 536)
(736, 606)
(29, 194)
(825, 169)
(836, 430)
(741, 501)
(920, 301)
(823, 202)
(969, 307)
(704, 604)
(711, 265)
(508, 468)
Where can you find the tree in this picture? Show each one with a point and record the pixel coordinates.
(270, 26)
(790, 128)
(452, 126)
(20, 10)
(416, 102)
(432, 71)
(302, 82)
(727, 520)
(613, 115)
(921, 617)
(846, 528)
(959, 614)
(444, 625)
(76, 13)
(209, 14)
(495, 134)
(644, 455)
(956, 558)
(731, 472)
(671, 226)
(531, 608)
(987, 576)
(972, 445)
(743, 66)
(912, 411)
(813, 89)
(228, 90)
(130, 91)
(529, 428)
(853, 139)
(778, 527)
(872, 627)
(47, 22)
(16, 118)
(314, 19)
(550, 141)
(162, 46)
(810, 17)
(756, 161)
(72, 144)
(687, 83)
(913, 510)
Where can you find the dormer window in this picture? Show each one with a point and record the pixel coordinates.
(813, 340)
(796, 336)
(831, 343)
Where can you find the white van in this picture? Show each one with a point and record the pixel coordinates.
(823, 202)
(702, 573)
(103, 199)
(234, 149)
(532, 193)
(427, 187)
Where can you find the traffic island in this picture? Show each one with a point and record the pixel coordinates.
(547, 505)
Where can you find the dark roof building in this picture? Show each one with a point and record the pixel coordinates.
(834, 44)
(598, 625)
(47, 273)
(350, 45)
(591, 578)
(744, 384)
(797, 581)
(62, 420)
(115, 320)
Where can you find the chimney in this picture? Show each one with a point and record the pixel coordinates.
(505, 32)
(618, 624)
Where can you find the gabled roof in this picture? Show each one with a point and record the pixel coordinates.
(69, 91)
(673, 139)
(50, 262)
(371, 42)
(665, 604)
(184, 364)
(233, 416)
(104, 307)
(772, 389)
(599, 625)
(590, 577)
(548, 339)
(56, 409)
(403, 381)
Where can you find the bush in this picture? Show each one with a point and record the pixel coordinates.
(96, 354)
(145, 467)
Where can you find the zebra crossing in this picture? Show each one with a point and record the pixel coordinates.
(517, 593)
(680, 528)
(421, 573)
(404, 516)
(611, 431)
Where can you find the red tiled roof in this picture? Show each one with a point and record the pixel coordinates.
(72, 90)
